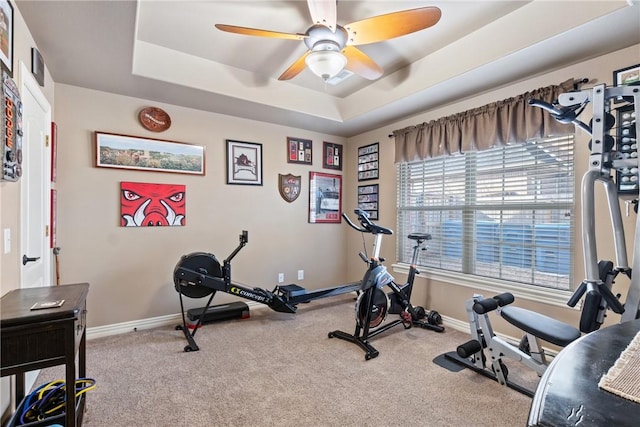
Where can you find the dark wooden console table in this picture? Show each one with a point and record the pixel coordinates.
(568, 392)
(36, 339)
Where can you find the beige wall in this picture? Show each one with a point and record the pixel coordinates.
(130, 269)
(449, 299)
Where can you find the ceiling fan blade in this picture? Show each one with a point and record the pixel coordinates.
(295, 68)
(361, 64)
(323, 12)
(259, 33)
(391, 25)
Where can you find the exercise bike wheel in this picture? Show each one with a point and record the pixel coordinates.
(379, 309)
(203, 263)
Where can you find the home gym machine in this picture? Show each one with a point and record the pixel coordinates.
(373, 303)
(606, 157)
(612, 158)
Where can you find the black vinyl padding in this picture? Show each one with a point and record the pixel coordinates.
(541, 326)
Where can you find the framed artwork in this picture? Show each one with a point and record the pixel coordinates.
(147, 154)
(244, 163)
(54, 207)
(299, 151)
(332, 156)
(368, 199)
(626, 76)
(325, 198)
(54, 150)
(368, 162)
(152, 205)
(6, 36)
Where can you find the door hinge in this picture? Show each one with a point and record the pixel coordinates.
(46, 231)
(46, 140)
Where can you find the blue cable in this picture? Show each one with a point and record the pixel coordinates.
(53, 402)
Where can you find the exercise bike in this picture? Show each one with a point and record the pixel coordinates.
(373, 304)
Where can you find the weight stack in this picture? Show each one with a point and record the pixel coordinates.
(216, 313)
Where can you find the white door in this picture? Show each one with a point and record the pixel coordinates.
(35, 183)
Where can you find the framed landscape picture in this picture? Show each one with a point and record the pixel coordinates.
(147, 154)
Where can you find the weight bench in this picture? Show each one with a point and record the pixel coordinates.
(529, 351)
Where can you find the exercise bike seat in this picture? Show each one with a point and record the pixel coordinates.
(419, 236)
(541, 326)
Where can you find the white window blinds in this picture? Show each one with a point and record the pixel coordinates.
(504, 213)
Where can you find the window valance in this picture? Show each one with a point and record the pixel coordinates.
(492, 125)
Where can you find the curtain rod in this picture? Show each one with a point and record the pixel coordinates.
(576, 85)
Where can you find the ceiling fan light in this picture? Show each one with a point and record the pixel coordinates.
(326, 63)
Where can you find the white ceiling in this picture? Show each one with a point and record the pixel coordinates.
(170, 52)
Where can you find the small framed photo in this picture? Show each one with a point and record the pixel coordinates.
(147, 154)
(299, 151)
(244, 163)
(332, 156)
(368, 162)
(325, 198)
(368, 199)
(629, 76)
(6, 36)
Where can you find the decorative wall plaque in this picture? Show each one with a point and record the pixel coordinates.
(154, 119)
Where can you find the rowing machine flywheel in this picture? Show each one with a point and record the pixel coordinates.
(379, 309)
(203, 264)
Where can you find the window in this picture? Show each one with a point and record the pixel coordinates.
(504, 213)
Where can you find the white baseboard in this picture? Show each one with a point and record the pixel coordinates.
(134, 325)
(153, 322)
(456, 324)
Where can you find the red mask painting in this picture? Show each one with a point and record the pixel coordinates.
(145, 205)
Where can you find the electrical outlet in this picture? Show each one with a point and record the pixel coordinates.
(280, 277)
(300, 274)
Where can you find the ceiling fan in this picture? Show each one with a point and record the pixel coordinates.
(332, 46)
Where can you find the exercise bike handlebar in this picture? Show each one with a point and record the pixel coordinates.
(366, 225)
(563, 115)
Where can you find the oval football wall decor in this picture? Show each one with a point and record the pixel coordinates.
(154, 119)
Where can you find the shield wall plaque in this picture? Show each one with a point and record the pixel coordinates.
(289, 186)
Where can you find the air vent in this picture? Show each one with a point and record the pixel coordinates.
(340, 77)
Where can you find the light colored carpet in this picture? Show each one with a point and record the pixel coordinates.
(277, 369)
(623, 378)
